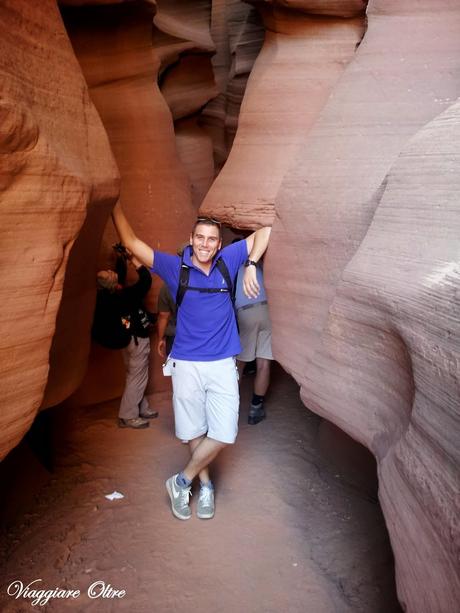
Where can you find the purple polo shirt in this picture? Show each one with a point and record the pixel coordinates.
(206, 327)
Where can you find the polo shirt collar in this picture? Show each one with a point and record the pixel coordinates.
(188, 259)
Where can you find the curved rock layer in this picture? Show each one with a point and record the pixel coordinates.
(113, 44)
(114, 47)
(337, 8)
(403, 74)
(392, 341)
(207, 49)
(124, 49)
(238, 33)
(57, 170)
(301, 61)
(374, 340)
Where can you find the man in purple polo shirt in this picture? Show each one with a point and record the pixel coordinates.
(202, 359)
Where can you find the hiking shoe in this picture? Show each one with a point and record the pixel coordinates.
(256, 414)
(148, 414)
(205, 506)
(135, 422)
(179, 498)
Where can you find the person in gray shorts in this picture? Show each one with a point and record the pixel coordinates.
(255, 336)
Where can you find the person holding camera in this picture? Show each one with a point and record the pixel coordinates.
(121, 322)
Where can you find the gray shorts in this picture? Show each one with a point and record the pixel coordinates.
(205, 399)
(255, 333)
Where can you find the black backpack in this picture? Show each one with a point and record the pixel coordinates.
(111, 328)
(184, 277)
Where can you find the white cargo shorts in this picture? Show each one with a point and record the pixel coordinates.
(205, 399)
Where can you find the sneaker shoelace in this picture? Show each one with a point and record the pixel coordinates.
(184, 496)
(205, 496)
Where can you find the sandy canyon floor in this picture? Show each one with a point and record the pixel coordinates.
(294, 531)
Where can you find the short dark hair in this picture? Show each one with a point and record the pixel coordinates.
(208, 221)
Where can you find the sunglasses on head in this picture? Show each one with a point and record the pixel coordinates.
(208, 220)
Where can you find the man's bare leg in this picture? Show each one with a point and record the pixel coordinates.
(262, 379)
(203, 450)
(193, 444)
(261, 383)
(203, 454)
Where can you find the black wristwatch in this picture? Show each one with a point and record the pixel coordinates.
(250, 263)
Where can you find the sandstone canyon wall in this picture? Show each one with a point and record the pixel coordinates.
(113, 44)
(57, 170)
(207, 51)
(348, 145)
(362, 269)
(392, 341)
(302, 58)
(150, 73)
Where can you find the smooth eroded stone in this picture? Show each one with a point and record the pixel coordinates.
(301, 61)
(362, 368)
(335, 8)
(391, 354)
(114, 47)
(57, 169)
(238, 33)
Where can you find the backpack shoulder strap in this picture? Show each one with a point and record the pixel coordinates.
(222, 267)
(184, 275)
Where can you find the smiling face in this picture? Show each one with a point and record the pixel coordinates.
(206, 242)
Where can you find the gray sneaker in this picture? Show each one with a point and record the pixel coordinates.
(205, 506)
(179, 498)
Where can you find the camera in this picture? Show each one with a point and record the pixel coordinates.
(121, 250)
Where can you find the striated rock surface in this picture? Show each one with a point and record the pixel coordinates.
(302, 59)
(238, 33)
(114, 47)
(403, 74)
(392, 344)
(113, 44)
(337, 8)
(182, 39)
(56, 171)
(147, 65)
(206, 49)
(373, 339)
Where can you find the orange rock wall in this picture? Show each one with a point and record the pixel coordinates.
(56, 170)
(113, 44)
(207, 50)
(150, 73)
(302, 59)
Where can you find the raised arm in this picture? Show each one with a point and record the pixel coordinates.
(138, 248)
(257, 244)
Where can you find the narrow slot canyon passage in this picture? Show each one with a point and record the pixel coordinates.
(293, 531)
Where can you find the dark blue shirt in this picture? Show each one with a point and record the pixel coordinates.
(206, 327)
